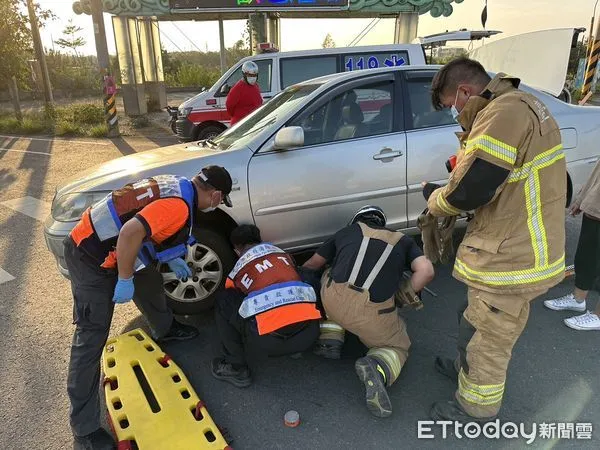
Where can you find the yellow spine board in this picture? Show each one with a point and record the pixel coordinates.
(149, 399)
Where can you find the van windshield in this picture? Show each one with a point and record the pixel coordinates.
(280, 105)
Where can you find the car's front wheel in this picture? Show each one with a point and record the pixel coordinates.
(210, 260)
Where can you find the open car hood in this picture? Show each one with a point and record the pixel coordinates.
(540, 59)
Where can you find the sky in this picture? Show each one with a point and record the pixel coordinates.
(509, 16)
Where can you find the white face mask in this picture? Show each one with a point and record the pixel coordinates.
(454, 110)
(210, 208)
(251, 80)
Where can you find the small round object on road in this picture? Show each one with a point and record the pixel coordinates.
(291, 419)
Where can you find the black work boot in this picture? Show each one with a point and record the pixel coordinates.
(98, 440)
(446, 367)
(328, 348)
(451, 410)
(179, 332)
(224, 371)
(378, 401)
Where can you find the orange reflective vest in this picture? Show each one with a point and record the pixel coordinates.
(275, 295)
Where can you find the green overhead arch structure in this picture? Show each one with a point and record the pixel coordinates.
(137, 36)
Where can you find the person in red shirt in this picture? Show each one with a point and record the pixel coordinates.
(244, 97)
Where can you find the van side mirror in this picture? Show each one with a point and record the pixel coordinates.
(289, 137)
(225, 89)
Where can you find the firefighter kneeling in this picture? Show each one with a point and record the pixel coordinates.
(359, 294)
(265, 310)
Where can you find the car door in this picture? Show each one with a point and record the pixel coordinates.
(265, 81)
(353, 155)
(430, 140)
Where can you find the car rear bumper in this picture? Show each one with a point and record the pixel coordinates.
(185, 129)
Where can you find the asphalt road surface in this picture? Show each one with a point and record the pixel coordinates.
(553, 377)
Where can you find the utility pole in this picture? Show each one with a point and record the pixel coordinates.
(110, 109)
(222, 46)
(40, 55)
(592, 62)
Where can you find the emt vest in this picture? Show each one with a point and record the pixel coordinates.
(99, 228)
(275, 295)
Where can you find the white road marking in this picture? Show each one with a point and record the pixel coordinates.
(2, 149)
(5, 276)
(98, 142)
(30, 206)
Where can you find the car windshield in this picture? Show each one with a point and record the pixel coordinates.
(242, 132)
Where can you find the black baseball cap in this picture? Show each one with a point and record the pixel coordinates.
(218, 178)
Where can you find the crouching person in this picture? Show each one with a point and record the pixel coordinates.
(264, 310)
(358, 294)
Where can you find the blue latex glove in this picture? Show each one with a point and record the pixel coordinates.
(180, 268)
(123, 290)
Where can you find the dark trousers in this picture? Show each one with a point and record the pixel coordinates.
(240, 340)
(587, 258)
(93, 288)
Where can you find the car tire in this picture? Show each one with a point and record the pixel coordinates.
(209, 132)
(222, 259)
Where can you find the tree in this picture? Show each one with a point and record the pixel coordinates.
(328, 42)
(15, 41)
(70, 38)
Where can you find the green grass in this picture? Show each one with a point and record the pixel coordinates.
(83, 119)
(99, 131)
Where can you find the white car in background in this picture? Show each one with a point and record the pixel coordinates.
(303, 163)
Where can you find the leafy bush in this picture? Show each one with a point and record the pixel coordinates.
(67, 128)
(9, 124)
(99, 131)
(34, 125)
(191, 75)
(81, 114)
(31, 124)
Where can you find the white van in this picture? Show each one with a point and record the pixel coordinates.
(204, 116)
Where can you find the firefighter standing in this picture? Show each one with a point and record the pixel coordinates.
(244, 97)
(110, 255)
(512, 173)
(265, 309)
(358, 294)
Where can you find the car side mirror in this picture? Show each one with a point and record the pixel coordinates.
(225, 89)
(289, 137)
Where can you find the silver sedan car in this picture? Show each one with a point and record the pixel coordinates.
(304, 162)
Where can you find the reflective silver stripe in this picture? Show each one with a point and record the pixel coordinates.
(535, 221)
(539, 162)
(494, 147)
(359, 260)
(257, 251)
(275, 297)
(138, 265)
(513, 277)
(380, 262)
(168, 186)
(330, 326)
(102, 220)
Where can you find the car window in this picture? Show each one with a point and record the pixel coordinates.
(359, 112)
(424, 115)
(244, 131)
(295, 70)
(265, 68)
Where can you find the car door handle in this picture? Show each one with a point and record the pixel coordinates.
(387, 154)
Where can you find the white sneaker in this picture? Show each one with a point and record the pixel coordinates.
(587, 321)
(566, 303)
